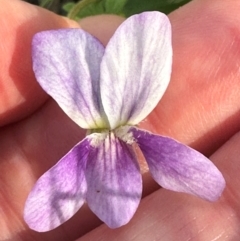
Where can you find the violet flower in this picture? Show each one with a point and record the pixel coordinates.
(108, 91)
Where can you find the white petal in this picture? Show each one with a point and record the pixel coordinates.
(114, 181)
(136, 68)
(178, 167)
(66, 63)
(60, 192)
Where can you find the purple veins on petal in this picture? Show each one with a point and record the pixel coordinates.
(66, 63)
(180, 168)
(136, 68)
(59, 192)
(114, 181)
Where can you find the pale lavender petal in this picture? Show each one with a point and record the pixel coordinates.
(66, 63)
(114, 181)
(59, 192)
(136, 68)
(178, 167)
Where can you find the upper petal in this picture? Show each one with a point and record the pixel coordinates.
(178, 167)
(66, 63)
(114, 181)
(59, 192)
(136, 68)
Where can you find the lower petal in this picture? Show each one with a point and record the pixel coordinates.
(114, 181)
(178, 167)
(59, 192)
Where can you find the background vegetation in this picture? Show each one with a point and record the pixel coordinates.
(76, 9)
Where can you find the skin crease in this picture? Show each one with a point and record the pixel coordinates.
(201, 108)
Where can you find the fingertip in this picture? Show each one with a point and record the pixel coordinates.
(20, 93)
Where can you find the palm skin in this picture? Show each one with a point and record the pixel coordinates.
(200, 108)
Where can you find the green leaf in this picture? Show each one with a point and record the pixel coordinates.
(165, 6)
(86, 8)
(67, 7)
(45, 3)
(115, 7)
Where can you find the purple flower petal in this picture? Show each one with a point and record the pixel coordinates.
(66, 63)
(178, 167)
(136, 68)
(59, 192)
(114, 181)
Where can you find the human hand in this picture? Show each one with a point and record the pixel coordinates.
(206, 60)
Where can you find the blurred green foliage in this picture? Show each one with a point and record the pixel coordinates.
(76, 9)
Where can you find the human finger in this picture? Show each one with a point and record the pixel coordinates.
(20, 93)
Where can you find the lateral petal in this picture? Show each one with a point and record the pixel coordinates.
(178, 167)
(114, 181)
(66, 63)
(59, 192)
(136, 68)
